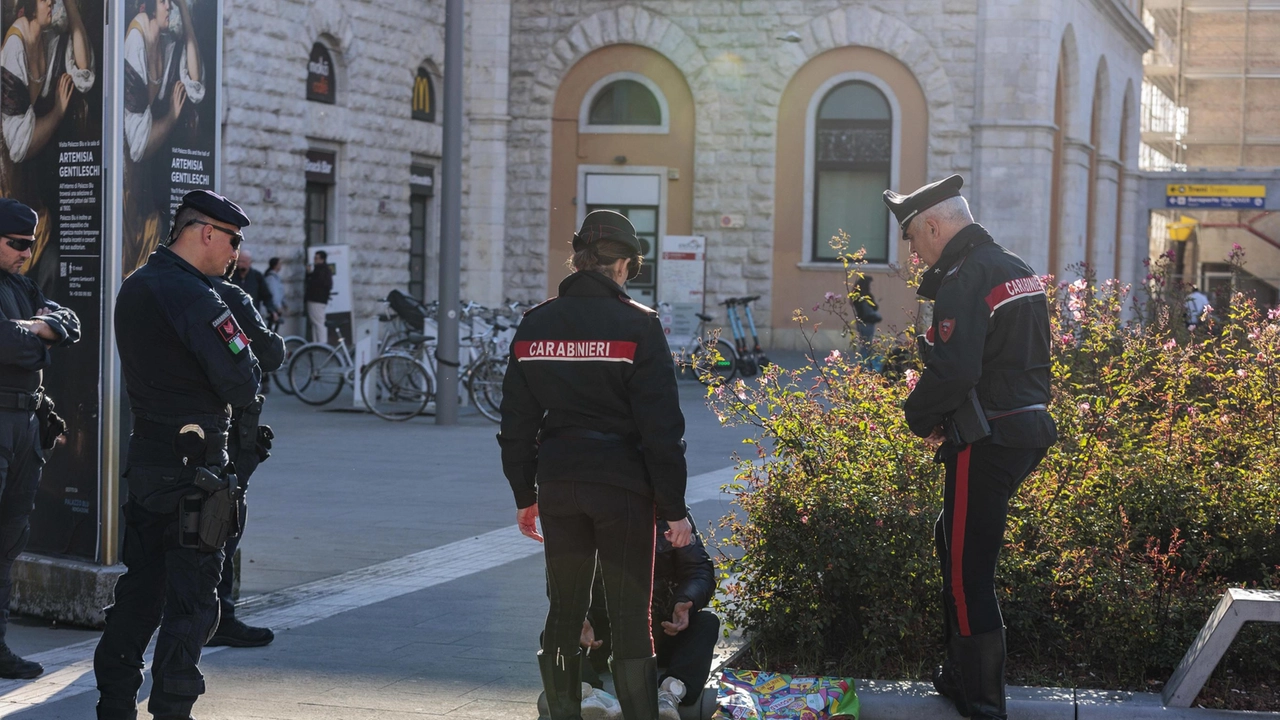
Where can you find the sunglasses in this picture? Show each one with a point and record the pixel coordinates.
(20, 244)
(235, 237)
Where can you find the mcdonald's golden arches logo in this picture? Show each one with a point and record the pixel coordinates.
(424, 106)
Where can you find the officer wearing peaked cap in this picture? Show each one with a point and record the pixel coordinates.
(982, 399)
(186, 365)
(592, 440)
(30, 325)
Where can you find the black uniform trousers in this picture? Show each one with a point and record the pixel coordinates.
(245, 465)
(980, 481)
(21, 460)
(163, 581)
(580, 522)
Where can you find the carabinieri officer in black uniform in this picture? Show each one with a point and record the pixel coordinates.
(983, 399)
(248, 445)
(592, 439)
(30, 325)
(186, 364)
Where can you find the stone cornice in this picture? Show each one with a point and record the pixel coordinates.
(1127, 23)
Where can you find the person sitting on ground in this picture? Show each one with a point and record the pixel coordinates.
(684, 630)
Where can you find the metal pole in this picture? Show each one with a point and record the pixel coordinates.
(109, 282)
(450, 219)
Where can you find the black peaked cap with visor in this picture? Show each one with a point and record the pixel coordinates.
(606, 225)
(906, 207)
(215, 206)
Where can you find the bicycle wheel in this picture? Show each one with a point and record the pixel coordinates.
(317, 374)
(281, 375)
(396, 387)
(485, 387)
(714, 368)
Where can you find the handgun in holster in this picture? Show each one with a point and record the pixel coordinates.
(968, 424)
(209, 516)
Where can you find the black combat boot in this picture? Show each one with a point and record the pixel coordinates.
(13, 667)
(973, 675)
(234, 633)
(563, 685)
(637, 684)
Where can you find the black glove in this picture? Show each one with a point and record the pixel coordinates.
(263, 442)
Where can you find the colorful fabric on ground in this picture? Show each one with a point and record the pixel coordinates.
(758, 695)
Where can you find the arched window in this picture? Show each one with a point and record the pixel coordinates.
(424, 96)
(624, 102)
(322, 78)
(853, 162)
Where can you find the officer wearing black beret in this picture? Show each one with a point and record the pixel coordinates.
(592, 440)
(30, 326)
(982, 399)
(186, 364)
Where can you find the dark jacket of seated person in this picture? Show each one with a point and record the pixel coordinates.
(684, 631)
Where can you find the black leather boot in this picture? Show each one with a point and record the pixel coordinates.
(234, 633)
(973, 675)
(637, 684)
(561, 681)
(13, 667)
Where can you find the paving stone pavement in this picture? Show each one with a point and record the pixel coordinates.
(345, 492)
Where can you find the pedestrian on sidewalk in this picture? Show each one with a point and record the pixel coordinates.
(684, 631)
(186, 363)
(592, 439)
(317, 288)
(248, 444)
(30, 325)
(982, 400)
(275, 285)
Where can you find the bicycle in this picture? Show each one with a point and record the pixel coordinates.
(710, 360)
(281, 375)
(397, 386)
(318, 371)
(760, 358)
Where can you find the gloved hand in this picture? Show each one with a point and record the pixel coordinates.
(263, 442)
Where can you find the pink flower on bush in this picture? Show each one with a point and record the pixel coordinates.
(830, 296)
(912, 377)
(1241, 373)
(833, 357)
(804, 519)
(1171, 344)
(1274, 313)
(1068, 339)
(1083, 407)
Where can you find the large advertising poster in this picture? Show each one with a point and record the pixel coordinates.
(51, 159)
(170, 115)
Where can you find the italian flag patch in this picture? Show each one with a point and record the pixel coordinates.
(230, 333)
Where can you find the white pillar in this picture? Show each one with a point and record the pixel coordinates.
(488, 82)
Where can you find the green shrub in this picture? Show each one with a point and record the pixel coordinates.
(1162, 491)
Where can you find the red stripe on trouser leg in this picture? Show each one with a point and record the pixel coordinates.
(959, 513)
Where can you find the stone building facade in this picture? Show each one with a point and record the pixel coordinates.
(736, 104)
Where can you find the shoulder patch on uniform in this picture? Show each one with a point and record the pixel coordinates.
(230, 333)
(945, 328)
(548, 301)
(638, 306)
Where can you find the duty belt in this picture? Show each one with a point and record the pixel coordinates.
(164, 433)
(582, 434)
(1016, 411)
(20, 400)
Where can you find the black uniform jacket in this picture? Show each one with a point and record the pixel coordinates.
(684, 574)
(185, 358)
(593, 359)
(990, 330)
(23, 355)
(267, 346)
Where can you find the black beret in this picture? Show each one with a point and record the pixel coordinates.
(16, 218)
(216, 207)
(906, 207)
(606, 224)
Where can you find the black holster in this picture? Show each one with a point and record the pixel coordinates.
(51, 424)
(210, 516)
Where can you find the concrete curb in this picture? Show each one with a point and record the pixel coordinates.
(905, 700)
(68, 591)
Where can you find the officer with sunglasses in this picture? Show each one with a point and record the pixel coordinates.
(30, 326)
(187, 364)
